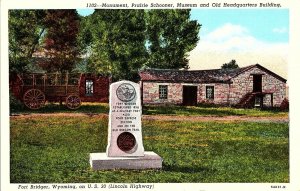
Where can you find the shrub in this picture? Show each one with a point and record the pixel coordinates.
(284, 106)
(207, 104)
(14, 104)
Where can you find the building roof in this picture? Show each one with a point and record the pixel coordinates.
(198, 76)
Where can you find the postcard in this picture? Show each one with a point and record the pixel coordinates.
(149, 95)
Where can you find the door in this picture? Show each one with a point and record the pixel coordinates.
(189, 95)
(257, 83)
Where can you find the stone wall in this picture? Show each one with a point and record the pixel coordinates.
(221, 93)
(224, 93)
(243, 84)
(267, 100)
(175, 93)
(151, 93)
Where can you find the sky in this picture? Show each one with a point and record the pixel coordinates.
(249, 36)
(85, 12)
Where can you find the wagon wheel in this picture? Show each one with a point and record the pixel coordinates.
(73, 102)
(34, 99)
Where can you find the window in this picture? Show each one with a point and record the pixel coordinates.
(210, 92)
(257, 101)
(89, 89)
(163, 92)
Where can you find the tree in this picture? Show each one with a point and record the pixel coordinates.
(171, 35)
(116, 42)
(230, 65)
(120, 42)
(26, 30)
(60, 46)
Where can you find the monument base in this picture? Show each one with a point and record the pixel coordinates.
(100, 161)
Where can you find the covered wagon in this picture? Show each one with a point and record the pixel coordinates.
(34, 89)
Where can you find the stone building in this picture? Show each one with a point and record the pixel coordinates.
(251, 86)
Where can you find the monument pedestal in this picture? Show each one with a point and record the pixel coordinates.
(100, 161)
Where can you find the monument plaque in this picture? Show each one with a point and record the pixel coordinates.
(125, 148)
(125, 132)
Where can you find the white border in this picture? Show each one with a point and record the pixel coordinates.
(293, 76)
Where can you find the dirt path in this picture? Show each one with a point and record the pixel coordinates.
(163, 117)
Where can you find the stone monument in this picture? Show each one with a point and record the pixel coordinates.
(125, 148)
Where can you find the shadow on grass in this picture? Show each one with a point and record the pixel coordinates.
(187, 169)
(97, 108)
(212, 111)
(56, 108)
(177, 110)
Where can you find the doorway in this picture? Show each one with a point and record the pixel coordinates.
(189, 95)
(257, 83)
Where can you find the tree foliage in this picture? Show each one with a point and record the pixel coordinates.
(60, 47)
(120, 42)
(171, 35)
(25, 32)
(230, 65)
(51, 34)
(116, 42)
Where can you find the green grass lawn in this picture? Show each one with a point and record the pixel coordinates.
(211, 111)
(56, 149)
(160, 110)
(56, 108)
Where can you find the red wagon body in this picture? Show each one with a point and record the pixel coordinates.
(35, 89)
